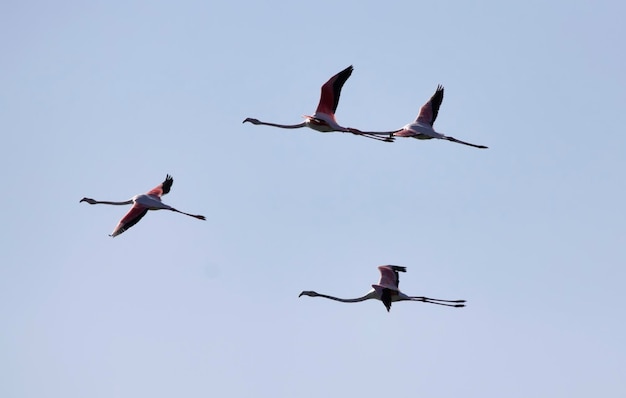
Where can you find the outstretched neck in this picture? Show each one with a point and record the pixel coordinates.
(106, 202)
(354, 300)
(284, 126)
(127, 202)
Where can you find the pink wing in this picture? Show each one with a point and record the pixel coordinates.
(389, 276)
(131, 218)
(162, 188)
(428, 111)
(404, 133)
(331, 90)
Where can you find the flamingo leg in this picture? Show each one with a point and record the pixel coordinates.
(426, 300)
(434, 299)
(464, 143)
(448, 303)
(374, 137)
(190, 215)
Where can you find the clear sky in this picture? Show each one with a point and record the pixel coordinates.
(103, 99)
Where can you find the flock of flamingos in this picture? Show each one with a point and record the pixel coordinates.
(386, 290)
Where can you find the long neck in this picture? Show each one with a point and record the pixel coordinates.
(287, 126)
(354, 300)
(104, 202)
(283, 126)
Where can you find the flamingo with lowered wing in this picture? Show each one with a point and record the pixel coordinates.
(151, 200)
(387, 291)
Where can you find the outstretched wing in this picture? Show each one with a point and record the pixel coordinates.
(131, 218)
(162, 188)
(386, 297)
(331, 90)
(389, 277)
(428, 111)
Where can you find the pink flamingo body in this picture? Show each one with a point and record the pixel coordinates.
(422, 127)
(151, 200)
(323, 120)
(387, 291)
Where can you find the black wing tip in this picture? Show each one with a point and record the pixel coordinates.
(398, 268)
(167, 184)
(438, 93)
(347, 72)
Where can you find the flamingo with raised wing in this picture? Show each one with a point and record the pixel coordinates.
(387, 291)
(151, 200)
(323, 120)
(422, 127)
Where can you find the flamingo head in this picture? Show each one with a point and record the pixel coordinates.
(88, 200)
(309, 293)
(251, 120)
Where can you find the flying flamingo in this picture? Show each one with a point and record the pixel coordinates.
(324, 118)
(387, 291)
(422, 127)
(151, 200)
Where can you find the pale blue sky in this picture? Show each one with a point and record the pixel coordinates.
(104, 99)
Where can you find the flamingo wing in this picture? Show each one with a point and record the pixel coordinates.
(331, 90)
(428, 111)
(389, 277)
(386, 297)
(131, 218)
(162, 188)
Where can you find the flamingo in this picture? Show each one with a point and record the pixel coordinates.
(151, 200)
(324, 118)
(387, 291)
(422, 127)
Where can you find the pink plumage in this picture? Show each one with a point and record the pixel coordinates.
(163, 188)
(324, 118)
(428, 111)
(151, 200)
(422, 127)
(131, 218)
(389, 278)
(331, 91)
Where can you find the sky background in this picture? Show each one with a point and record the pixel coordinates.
(103, 99)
